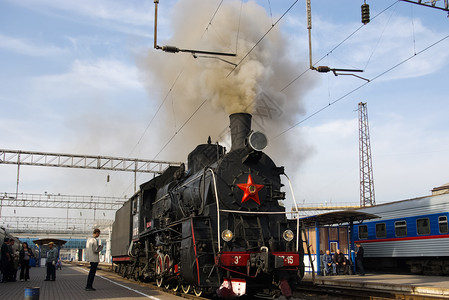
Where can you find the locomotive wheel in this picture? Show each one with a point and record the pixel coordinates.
(128, 271)
(197, 291)
(185, 288)
(175, 286)
(136, 274)
(159, 279)
(123, 271)
(167, 263)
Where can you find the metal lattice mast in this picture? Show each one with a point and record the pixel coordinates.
(365, 162)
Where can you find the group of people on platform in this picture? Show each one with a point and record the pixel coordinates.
(12, 259)
(339, 264)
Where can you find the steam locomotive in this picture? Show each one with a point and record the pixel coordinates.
(216, 228)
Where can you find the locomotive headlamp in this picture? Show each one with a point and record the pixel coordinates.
(227, 235)
(257, 140)
(288, 235)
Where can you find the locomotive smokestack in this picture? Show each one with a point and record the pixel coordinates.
(240, 124)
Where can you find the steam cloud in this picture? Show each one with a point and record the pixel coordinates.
(253, 87)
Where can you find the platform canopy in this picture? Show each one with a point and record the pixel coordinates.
(57, 242)
(337, 217)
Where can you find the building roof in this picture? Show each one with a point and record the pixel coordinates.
(337, 217)
(441, 189)
(57, 242)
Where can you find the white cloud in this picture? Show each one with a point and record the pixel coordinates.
(129, 12)
(103, 74)
(337, 128)
(27, 47)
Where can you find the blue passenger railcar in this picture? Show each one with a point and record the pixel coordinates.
(410, 235)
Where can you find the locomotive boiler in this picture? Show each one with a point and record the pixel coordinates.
(215, 227)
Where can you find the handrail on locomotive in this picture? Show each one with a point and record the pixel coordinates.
(253, 212)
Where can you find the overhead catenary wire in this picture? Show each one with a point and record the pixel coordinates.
(271, 13)
(336, 47)
(157, 111)
(256, 44)
(263, 36)
(299, 76)
(361, 86)
(413, 28)
(213, 16)
(182, 126)
(378, 41)
(166, 97)
(193, 114)
(172, 86)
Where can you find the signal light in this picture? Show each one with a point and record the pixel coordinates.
(365, 13)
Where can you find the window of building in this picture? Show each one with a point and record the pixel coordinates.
(400, 228)
(381, 230)
(363, 232)
(343, 239)
(333, 233)
(423, 226)
(442, 224)
(334, 247)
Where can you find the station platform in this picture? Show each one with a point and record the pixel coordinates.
(419, 285)
(71, 281)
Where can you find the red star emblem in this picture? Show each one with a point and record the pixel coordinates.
(250, 190)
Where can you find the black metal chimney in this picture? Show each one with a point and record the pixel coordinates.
(240, 124)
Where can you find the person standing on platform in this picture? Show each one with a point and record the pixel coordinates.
(24, 262)
(93, 250)
(15, 261)
(5, 258)
(52, 258)
(11, 271)
(359, 260)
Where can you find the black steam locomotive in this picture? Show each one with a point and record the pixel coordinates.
(217, 227)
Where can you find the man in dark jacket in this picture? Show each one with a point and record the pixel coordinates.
(359, 260)
(5, 259)
(341, 262)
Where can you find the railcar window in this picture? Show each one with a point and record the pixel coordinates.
(363, 232)
(134, 206)
(442, 224)
(400, 228)
(381, 230)
(423, 226)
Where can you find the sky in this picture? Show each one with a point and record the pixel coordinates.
(82, 77)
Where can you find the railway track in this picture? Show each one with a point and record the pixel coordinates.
(310, 291)
(306, 291)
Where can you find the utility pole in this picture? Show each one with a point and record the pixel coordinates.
(365, 161)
